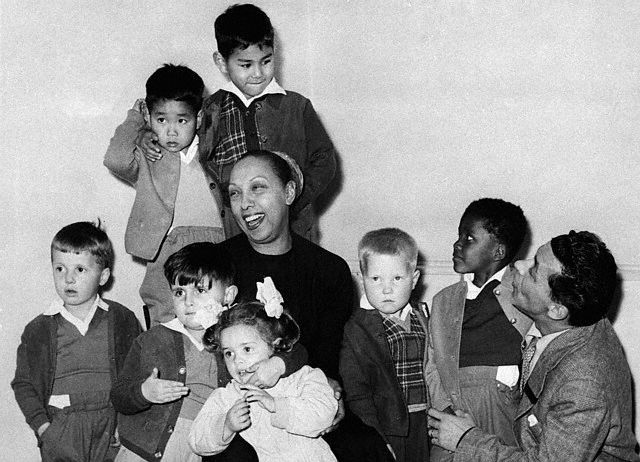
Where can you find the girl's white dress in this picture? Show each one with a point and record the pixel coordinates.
(305, 406)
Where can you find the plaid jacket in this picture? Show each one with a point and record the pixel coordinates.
(369, 376)
(286, 123)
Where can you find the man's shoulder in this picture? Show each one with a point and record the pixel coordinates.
(590, 352)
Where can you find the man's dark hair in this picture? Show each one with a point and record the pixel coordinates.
(177, 83)
(241, 26)
(588, 279)
(503, 220)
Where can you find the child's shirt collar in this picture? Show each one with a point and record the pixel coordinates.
(177, 326)
(187, 155)
(271, 89)
(57, 306)
(401, 315)
(473, 290)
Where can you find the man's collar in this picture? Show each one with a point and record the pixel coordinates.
(271, 89)
(401, 314)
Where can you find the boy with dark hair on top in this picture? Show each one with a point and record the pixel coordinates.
(168, 375)
(176, 202)
(252, 112)
(384, 348)
(577, 401)
(476, 332)
(70, 356)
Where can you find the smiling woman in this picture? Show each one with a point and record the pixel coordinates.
(316, 284)
(261, 190)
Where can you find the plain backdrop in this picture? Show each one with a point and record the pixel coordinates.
(430, 105)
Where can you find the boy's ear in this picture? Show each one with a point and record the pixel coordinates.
(360, 281)
(500, 252)
(199, 119)
(220, 62)
(230, 294)
(290, 192)
(415, 277)
(104, 276)
(144, 109)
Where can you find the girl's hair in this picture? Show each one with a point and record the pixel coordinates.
(281, 333)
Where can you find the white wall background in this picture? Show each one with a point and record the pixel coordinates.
(430, 104)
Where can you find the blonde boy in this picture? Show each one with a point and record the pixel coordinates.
(384, 347)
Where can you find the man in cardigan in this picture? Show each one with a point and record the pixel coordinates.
(576, 403)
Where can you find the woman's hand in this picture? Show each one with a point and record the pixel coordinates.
(266, 373)
(337, 394)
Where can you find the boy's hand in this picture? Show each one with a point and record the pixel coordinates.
(237, 419)
(141, 106)
(147, 140)
(337, 394)
(161, 391)
(42, 428)
(256, 395)
(266, 373)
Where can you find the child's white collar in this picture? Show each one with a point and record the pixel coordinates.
(473, 290)
(57, 306)
(177, 326)
(401, 315)
(271, 89)
(187, 155)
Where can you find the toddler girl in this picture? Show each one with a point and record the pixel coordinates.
(283, 423)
